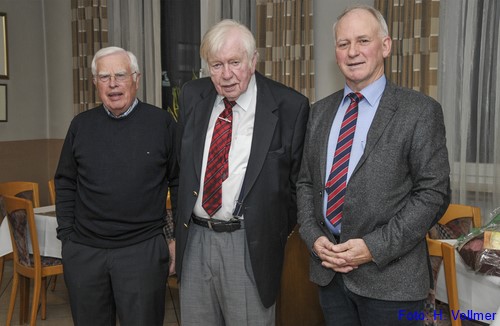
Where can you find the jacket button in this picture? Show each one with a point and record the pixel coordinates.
(321, 193)
(195, 193)
(185, 225)
(322, 223)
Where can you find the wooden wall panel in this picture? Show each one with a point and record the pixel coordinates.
(30, 160)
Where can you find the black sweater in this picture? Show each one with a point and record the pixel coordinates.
(112, 177)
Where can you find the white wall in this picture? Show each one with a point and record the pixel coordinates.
(59, 62)
(26, 86)
(39, 88)
(328, 76)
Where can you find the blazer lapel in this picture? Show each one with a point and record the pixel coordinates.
(202, 113)
(386, 110)
(264, 125)
(325, 125)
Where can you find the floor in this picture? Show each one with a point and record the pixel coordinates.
(58, 311)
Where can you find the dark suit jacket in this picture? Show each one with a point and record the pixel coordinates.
(269, 201)
(399, 188)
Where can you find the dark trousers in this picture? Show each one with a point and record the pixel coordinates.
(341, 307)
(127, 282)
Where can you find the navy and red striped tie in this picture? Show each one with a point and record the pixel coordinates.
(217, 164)
(337, 180)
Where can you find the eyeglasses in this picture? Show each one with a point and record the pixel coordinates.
(119, 77)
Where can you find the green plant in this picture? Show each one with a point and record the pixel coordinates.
(174, 110)
(176, 90)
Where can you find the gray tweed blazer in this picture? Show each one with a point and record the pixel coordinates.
(398, 190)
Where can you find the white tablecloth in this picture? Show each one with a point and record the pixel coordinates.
(476, 291)
(5, 244)
(46, 229)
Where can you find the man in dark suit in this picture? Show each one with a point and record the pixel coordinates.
(365, 205)
(236, 209)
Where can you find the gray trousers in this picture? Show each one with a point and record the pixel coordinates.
(217, 286)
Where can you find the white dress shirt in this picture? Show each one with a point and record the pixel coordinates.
(241, 142)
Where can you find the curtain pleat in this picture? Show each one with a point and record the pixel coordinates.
(469, 91)
(89, 33)
(135, 26)
(285, 43)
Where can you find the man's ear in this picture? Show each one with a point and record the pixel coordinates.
(387, 46)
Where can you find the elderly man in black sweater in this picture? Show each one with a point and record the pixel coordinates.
(115, 167)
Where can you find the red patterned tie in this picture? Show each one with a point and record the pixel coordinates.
(217, 167)
(336, 184)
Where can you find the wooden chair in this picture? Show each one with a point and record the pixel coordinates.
(456, 211)
(168, 202)
(447, 252)
(52, 195)
(52, 191)
(26, 266)
(21, 189)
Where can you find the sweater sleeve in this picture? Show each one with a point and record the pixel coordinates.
(65, 182)
(173, 177)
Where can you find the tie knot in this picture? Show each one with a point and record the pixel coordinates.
(229, 104)
(355, 97)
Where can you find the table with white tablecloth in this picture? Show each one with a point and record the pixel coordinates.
(46, 225)
(477, 292)
(5, 244)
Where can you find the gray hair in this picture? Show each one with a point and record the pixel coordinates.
(134, 66)
(383, 29)
(215, 37)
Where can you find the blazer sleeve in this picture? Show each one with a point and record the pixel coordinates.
(310, 230)
(297, 148)
(430, 193)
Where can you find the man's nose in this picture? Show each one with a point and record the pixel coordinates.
(226, 71)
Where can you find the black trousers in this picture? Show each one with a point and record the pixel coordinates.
(343, 307)
(128, 283)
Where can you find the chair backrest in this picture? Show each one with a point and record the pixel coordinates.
(22, 225)
(52, 191)
(22, 189)
(462, 217)
(456, 211)
(168, 203)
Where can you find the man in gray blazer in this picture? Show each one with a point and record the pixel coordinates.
(230, 244)
(365, 218)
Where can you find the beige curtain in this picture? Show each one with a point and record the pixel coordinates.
(90, 33)
(414, 27)
(469, 87)
(285, 43)
(135, 26)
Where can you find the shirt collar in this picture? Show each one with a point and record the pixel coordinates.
(124, 114)
(372, 92)
(245, 98)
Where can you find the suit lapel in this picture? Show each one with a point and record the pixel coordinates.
(202, 113)
(386, 110)
(325, 125)
(264, 125)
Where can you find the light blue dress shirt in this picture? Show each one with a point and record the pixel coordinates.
(367, 108)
